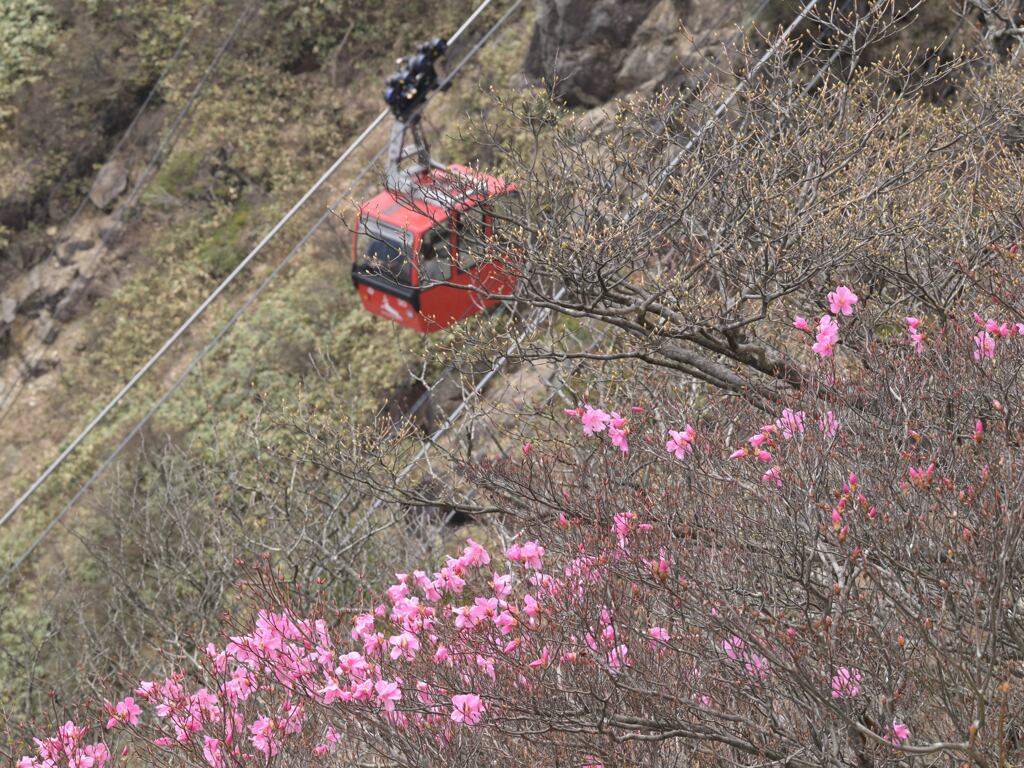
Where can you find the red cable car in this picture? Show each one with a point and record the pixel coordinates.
(418, 246)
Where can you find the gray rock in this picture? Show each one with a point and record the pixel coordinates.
(66, 307)
(66, 251)
(590, 51)
(47, 330)
(110, 184)
(41, 366)
(579, 46)
(654, 49)
(44, 287)
(8, 309)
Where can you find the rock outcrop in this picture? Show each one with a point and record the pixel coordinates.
(590, 51)
(110, 184)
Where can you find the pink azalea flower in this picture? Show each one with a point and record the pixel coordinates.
(594, 420)
(544, 660)
(900, 733)
(916, 336)
(658, 635)
(388, 693)
(791, 423)
(467, 708)
(757, 666)
(505, 622)
(800, 323)
(773, 475)
(404, 645)
(618, 657)
(397, 591)
(829, 424)
(733, 647)
(474, 554)
(529, 554)
(126, 711)
(622, 522)
(827, 336)
(486, 664)
(263, 736)
(681, 443)
(531, 607)
(984, 346)
(483, 608)
(619, 432)
(841, 300)
(998, 329)
(147, 690)
(212, 753)
(846, 683)
(502, 585)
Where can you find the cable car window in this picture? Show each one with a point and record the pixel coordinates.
(436, 256)
(385, 257)
(472, 228)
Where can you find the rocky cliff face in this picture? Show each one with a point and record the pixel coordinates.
(592, 50)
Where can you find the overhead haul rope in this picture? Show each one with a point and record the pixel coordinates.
(222, 332)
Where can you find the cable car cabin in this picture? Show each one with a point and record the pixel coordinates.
(415, 257)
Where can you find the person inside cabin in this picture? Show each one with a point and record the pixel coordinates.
(436, 256)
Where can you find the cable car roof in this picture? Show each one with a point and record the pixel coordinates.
(435, 194)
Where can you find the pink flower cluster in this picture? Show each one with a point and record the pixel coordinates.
(681, 443)
(467, 708)
(595, 420)
(754, 664)
(67, 748)
(125, 712)
(850, 499)
(921, 477)
(435, 649)
(917, 336)
(846, 683)
(841, 301)
(789, 425)
(985, 339)
(900, 733)
(425, 619)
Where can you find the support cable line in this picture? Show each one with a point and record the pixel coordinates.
(172, 136)
(222, 332)
(736, 91)
(201, 309)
